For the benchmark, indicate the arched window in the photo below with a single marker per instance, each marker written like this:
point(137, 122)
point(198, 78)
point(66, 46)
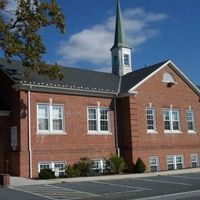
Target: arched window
point(168, 78)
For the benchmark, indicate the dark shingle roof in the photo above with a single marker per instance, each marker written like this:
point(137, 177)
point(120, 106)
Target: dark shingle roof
point(80, 79)
point(132, 79)
point(74, 78)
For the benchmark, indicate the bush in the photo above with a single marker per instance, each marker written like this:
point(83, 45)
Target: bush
point(140, 166)
point(46, 174)
point(117, 164)
point(84, 166)
point(71, 171)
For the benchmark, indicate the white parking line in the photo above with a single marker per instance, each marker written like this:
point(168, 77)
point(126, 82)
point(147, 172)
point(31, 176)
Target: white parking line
point(170, 182)
point(119, 185)
point(167, 196)
point(186, 177)
point(35, 194)
point(78, 191)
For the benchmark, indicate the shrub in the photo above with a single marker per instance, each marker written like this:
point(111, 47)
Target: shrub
point(140, 166)
point(71, 171)
point(84, 166)
point(117, 164)
point(46, 174)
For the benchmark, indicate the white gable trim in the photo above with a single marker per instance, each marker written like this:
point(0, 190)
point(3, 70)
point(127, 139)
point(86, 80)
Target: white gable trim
point(132, 90)
point(4, 113)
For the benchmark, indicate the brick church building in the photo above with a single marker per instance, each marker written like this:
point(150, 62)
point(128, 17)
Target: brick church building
point(152, 113)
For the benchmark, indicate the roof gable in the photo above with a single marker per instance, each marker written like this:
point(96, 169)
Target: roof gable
point(131, 80)
point(174, 67)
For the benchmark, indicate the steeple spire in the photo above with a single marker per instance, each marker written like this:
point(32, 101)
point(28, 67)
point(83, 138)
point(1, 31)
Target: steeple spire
point(120, 36)
point(121, 51)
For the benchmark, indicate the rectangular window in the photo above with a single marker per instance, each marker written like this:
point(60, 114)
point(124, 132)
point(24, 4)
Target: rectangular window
point(154, 164)
point(126, 59)
point(98, 119)
point(50, 118)
point(150, 115)
point(190, 121)
point(60, 166)
point(171, 120)
point(175, 162)
point(99, 165)
point(44, 166)
point(194, 160)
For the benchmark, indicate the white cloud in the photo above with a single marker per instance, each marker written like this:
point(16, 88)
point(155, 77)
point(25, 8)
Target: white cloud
point(92, 45)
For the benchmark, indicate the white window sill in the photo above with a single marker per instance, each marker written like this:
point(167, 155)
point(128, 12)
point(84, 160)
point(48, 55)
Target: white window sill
point(192, 132)
point(99, 133)
point(173, 132)
point(51, 133)
point(151, 132)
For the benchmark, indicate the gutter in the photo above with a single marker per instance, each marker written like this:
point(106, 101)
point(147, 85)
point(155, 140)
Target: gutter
point(29, 135)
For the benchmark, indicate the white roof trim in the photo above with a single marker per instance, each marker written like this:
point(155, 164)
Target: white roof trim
point(132, 90)
point(4, 113)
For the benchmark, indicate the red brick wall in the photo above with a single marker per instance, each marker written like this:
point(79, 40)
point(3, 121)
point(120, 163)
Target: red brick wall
point(180, 96)
point(73, 145)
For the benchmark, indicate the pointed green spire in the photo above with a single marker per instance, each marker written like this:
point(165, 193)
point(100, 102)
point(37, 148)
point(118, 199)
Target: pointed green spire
point(120, 37)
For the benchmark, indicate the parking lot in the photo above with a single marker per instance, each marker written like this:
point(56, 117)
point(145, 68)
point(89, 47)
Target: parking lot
point(184, 186)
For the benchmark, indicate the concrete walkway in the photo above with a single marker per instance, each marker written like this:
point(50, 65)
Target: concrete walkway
point(19, 181)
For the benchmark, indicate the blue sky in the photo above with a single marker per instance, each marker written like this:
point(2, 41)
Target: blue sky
point(157, 30)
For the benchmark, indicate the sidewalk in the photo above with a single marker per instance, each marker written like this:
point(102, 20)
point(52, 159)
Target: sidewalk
point(19, 181)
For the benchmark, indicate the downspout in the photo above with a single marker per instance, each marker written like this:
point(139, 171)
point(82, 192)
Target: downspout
point(29, 134)
point(116, 128)
point(116, 120)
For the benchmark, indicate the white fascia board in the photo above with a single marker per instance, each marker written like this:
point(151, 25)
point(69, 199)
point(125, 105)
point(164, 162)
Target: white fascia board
point(185, 77)
point(173, 66)
point(4, 113)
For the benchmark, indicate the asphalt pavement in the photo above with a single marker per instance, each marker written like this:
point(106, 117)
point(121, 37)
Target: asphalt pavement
point(174, 186)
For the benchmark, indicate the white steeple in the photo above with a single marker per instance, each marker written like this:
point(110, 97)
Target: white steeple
point(121, 51)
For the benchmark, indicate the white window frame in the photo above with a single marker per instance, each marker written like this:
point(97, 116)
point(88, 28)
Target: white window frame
point(44, 163)
point(52, 165)
point(101, 164)
point(50, 119)
point(194, 155)
point(154, 165)
point(154, 120)
point(175, 162)
point(191, 121)
point(98, 120)
point(171, 120)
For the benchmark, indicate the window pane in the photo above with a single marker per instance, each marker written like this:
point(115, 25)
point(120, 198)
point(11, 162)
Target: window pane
point(167, 125)
point(170, 166)
point(57, 112)
point(126, 59)
point(104, 125)
point(175, 125)
point(43, 111)
point(92, 113)
point(43, 124)
point(153, 169)
point(92, 125)
point(57, 125)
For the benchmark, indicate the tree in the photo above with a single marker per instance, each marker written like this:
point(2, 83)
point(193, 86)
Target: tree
point(140, 166)
point(19, 33)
